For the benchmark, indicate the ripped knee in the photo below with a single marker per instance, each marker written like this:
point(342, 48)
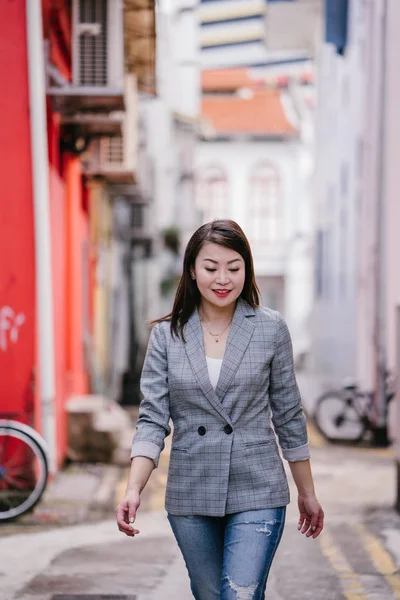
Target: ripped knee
point(243, 592)
point(265, 527)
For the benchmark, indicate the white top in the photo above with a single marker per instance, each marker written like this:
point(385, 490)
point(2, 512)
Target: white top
point(214, 369)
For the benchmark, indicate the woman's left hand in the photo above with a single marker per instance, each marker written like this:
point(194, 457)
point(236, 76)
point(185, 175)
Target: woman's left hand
point(311, 521)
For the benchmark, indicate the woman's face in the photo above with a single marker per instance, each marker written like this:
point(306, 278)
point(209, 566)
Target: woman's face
point(220, 274)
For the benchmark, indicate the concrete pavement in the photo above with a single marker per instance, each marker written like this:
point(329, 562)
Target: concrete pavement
point(356, 557)
point(71, 549)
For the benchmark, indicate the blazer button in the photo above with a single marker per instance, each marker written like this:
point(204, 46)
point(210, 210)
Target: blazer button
point(228, 429)
point(201, 430)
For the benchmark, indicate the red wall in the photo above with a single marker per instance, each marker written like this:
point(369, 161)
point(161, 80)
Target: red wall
point(77, 296)
point(69, 232)
point(17, 265)
point(58, 256)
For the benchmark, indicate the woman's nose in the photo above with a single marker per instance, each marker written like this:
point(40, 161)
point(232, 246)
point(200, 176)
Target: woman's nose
point(222, 277)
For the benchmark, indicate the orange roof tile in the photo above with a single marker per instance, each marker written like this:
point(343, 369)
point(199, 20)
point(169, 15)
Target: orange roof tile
point(261, 114)
point(228, 80)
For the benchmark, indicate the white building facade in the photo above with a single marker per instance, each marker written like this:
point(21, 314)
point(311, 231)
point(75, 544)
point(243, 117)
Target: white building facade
point(168, 126)
point(338, 191)
point(358, 132)
point(262, 180)
point(257, 33)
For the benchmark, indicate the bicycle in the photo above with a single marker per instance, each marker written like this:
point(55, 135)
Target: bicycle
point(23, 468)
point(347, 414)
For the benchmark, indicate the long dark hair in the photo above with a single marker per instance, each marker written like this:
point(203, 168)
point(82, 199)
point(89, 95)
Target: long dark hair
point(225, 233)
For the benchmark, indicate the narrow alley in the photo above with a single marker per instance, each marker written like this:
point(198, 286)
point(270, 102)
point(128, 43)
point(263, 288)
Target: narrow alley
point(233, 166)
point(356, 558)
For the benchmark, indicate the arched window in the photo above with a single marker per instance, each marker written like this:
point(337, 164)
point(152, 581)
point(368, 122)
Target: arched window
point(265, 210)
point(212, 193)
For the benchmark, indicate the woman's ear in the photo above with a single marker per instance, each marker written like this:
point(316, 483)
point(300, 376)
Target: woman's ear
point(192, 274)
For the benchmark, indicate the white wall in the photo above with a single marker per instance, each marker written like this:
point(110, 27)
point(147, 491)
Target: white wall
point(293, 259)
point(392, 186)
point(358, 124)
point(369, 291)
point(392, 176)
point(340, 147)
point(169, 122)
point(178, 81)
point(293, 24)
point(178, 99)
point(120, 308)
point(186, 88)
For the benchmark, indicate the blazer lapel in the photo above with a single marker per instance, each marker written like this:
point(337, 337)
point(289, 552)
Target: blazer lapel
point(194, 347)
point(239, 337)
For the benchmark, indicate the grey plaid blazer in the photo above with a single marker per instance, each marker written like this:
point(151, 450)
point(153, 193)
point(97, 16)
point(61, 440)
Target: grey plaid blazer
point(224, 455)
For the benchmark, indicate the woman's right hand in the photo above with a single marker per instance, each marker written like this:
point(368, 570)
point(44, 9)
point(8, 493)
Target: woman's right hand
point(126, 512)
point(311, 521)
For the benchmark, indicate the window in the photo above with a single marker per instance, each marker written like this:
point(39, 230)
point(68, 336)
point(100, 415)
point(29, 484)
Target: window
point(360, 148)
point(343, 258)
point(344, 179)
point(265, 210)
point(212, 193)
point(345, 91)
point(138, 216)
point(319, 263)
point(322, 264)
point(114, 148)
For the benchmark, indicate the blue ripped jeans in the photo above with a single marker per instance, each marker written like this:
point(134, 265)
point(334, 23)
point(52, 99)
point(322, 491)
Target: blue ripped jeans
point(229, 558)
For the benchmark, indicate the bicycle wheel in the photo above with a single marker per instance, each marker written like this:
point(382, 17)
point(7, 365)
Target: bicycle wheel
point(337, 418)
point(23, 472)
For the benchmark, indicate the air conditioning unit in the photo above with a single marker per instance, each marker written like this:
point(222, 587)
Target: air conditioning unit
point(115, 157)
point(116, 164)
point(97, 59)
point(98, 34)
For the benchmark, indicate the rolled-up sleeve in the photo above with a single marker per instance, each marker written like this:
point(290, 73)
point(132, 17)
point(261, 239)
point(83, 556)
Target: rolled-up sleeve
point(287, 413)
point(152, 425)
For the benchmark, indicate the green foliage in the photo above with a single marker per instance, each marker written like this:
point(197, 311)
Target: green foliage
point(172, 239)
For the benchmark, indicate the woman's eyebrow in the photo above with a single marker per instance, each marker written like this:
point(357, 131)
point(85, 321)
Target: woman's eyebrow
point(216, 262)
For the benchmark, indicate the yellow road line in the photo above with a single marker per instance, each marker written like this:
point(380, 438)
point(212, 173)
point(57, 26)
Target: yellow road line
point(314, 437)
point(157, 498)
point(381, 558)
point(158, 482)
point(349, 579)
point(156, 485)
point(381, 452)
point(121, 487)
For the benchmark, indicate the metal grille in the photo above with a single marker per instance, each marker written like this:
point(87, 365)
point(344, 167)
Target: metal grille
point(92, 30)
point(114, 150)
point(138, 216)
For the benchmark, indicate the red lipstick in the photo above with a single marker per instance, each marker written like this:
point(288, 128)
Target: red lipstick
point(222, 293)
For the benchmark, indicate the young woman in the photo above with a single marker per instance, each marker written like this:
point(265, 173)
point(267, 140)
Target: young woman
point(221, 367)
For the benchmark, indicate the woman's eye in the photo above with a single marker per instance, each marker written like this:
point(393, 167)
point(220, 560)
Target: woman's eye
point(234, 270)
point(211, 270)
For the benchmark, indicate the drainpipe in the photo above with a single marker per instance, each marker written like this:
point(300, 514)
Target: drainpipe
point(41, 202)
point(397, 413)
point(381, 429)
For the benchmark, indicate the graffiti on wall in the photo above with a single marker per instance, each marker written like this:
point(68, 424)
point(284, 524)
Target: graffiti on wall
point(10, 324)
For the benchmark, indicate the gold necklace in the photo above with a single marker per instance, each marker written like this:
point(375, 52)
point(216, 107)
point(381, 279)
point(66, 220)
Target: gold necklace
point(216, 335)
